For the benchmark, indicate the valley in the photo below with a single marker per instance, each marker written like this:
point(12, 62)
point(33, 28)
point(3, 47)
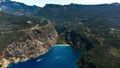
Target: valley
point(28, 31)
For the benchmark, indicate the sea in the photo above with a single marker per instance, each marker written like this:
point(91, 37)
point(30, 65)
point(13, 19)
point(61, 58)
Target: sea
point(59, 56)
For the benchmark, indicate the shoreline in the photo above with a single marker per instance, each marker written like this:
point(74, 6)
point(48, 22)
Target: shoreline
point(37, 59)
point(42, 53)
point(61, 45)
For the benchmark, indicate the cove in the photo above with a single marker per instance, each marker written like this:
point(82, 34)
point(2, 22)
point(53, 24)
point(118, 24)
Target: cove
point(58, 56)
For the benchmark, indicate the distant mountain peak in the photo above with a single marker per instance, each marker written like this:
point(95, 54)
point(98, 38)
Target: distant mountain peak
point(4, 0)
point(115, 3)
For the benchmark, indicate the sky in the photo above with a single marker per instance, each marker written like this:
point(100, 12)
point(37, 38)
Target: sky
point(42, 3)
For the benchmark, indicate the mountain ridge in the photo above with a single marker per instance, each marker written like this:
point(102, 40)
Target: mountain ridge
point(17, 8)
point(94, 29)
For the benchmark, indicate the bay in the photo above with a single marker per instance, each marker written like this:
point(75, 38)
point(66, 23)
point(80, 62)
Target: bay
point(58, 56)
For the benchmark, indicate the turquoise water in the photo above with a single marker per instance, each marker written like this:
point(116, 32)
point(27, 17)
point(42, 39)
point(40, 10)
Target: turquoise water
point(56, 57)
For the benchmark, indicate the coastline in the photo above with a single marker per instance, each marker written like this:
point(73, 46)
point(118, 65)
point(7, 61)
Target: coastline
point(56, 54)
point(62, 45)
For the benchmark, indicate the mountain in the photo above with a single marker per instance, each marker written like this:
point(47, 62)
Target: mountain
point(17, 8)
point(4, 0)
point(94, 29)
point(23, 38)
point(76, 12)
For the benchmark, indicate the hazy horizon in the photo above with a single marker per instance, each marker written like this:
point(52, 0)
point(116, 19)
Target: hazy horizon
point(42, 3)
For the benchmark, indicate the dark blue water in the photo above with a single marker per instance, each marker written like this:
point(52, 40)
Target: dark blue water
point(56, 57)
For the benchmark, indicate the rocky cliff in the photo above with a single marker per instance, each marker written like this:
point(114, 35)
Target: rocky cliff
point(35, 42)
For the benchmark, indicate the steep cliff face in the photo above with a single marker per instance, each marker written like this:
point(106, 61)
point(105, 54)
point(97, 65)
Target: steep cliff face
point(35, 42)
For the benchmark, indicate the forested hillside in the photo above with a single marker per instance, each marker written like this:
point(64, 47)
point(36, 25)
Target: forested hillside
point(95, 29)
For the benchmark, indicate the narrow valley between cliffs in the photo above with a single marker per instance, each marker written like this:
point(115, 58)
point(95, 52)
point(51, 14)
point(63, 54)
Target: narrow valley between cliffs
point(59, 35)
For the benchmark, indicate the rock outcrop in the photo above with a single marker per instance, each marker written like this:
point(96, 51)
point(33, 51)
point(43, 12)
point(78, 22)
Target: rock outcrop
point(36, 42)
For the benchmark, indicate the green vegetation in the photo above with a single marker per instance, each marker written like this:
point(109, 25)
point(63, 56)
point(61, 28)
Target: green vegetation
point(12, 28)
point(94, 29)
point(60, 40)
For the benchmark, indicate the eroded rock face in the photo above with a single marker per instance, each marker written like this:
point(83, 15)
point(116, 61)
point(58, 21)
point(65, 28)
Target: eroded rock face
point(37, 41)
